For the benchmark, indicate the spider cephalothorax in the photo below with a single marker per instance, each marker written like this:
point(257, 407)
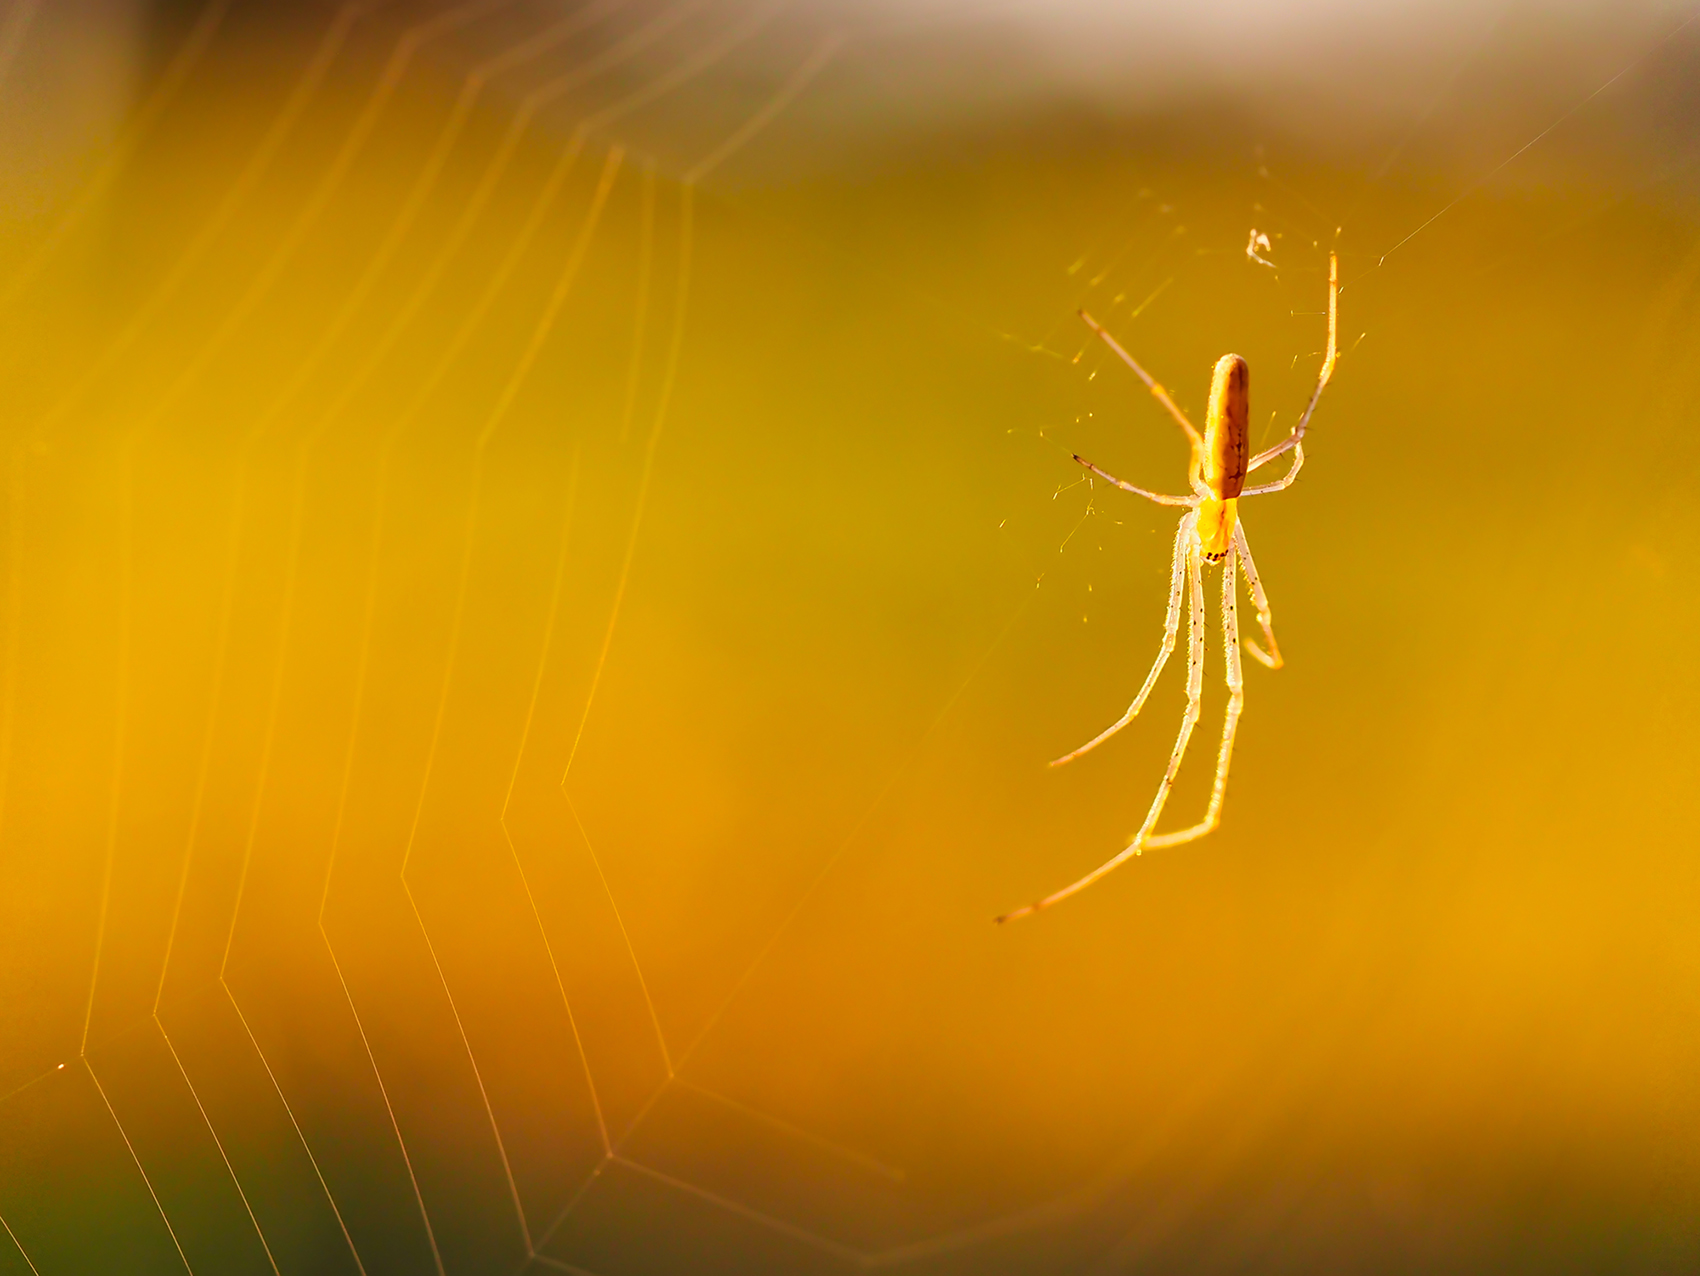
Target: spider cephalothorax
point(1209, 532)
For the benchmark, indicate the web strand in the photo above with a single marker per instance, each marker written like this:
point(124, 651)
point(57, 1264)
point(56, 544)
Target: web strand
point(120, 731)
point(1539, 137)
point(19, 1246)
point(278, 652)
point(705, 58)
point(14, 611)
point(223, 1155)
point(545, 325)
point(137, 1161)
point(513, 779)
point(406, 48)
point(235, 197)
point(646, 264)
point(625, 938)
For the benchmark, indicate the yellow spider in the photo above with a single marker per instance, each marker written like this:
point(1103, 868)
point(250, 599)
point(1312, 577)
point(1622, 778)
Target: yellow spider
point(1209, 532)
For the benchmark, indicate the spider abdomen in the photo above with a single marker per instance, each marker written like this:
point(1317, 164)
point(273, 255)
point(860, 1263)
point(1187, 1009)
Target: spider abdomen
point(1226, 432)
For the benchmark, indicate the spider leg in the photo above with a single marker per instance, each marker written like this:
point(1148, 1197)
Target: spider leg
point(1286, 480)
point(1294, 439)
point(1159, 497)
point(1265, 620)
point(1236, 701)
point(1171, 626)
point(1161, 395)
point(1194, 693)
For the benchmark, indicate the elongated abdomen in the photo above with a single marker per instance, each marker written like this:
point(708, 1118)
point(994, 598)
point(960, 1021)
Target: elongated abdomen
point(1226, 428)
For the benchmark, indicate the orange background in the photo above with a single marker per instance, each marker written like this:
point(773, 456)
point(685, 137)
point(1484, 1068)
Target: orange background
point(520, 703)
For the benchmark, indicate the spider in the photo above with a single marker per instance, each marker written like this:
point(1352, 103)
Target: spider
point(1210, 532)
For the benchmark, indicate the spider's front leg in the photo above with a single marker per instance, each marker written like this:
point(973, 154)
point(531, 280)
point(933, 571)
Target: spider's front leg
point(1195, 440)
point(1159, 497)
point(1294, 442)
point(1285, 481)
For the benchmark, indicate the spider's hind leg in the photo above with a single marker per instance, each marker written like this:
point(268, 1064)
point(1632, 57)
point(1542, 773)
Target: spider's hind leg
point(1230, 724)
point(1194, 695)
point(1260, 600)
point(1171, 626)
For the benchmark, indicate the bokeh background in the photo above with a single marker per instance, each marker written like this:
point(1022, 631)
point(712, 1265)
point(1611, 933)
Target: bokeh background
point(542, 569)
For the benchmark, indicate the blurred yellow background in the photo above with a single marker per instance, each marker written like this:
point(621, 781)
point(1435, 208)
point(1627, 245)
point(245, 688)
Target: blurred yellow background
point(542, 570)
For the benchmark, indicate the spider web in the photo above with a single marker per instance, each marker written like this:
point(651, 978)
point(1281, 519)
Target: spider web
point(431, 843)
